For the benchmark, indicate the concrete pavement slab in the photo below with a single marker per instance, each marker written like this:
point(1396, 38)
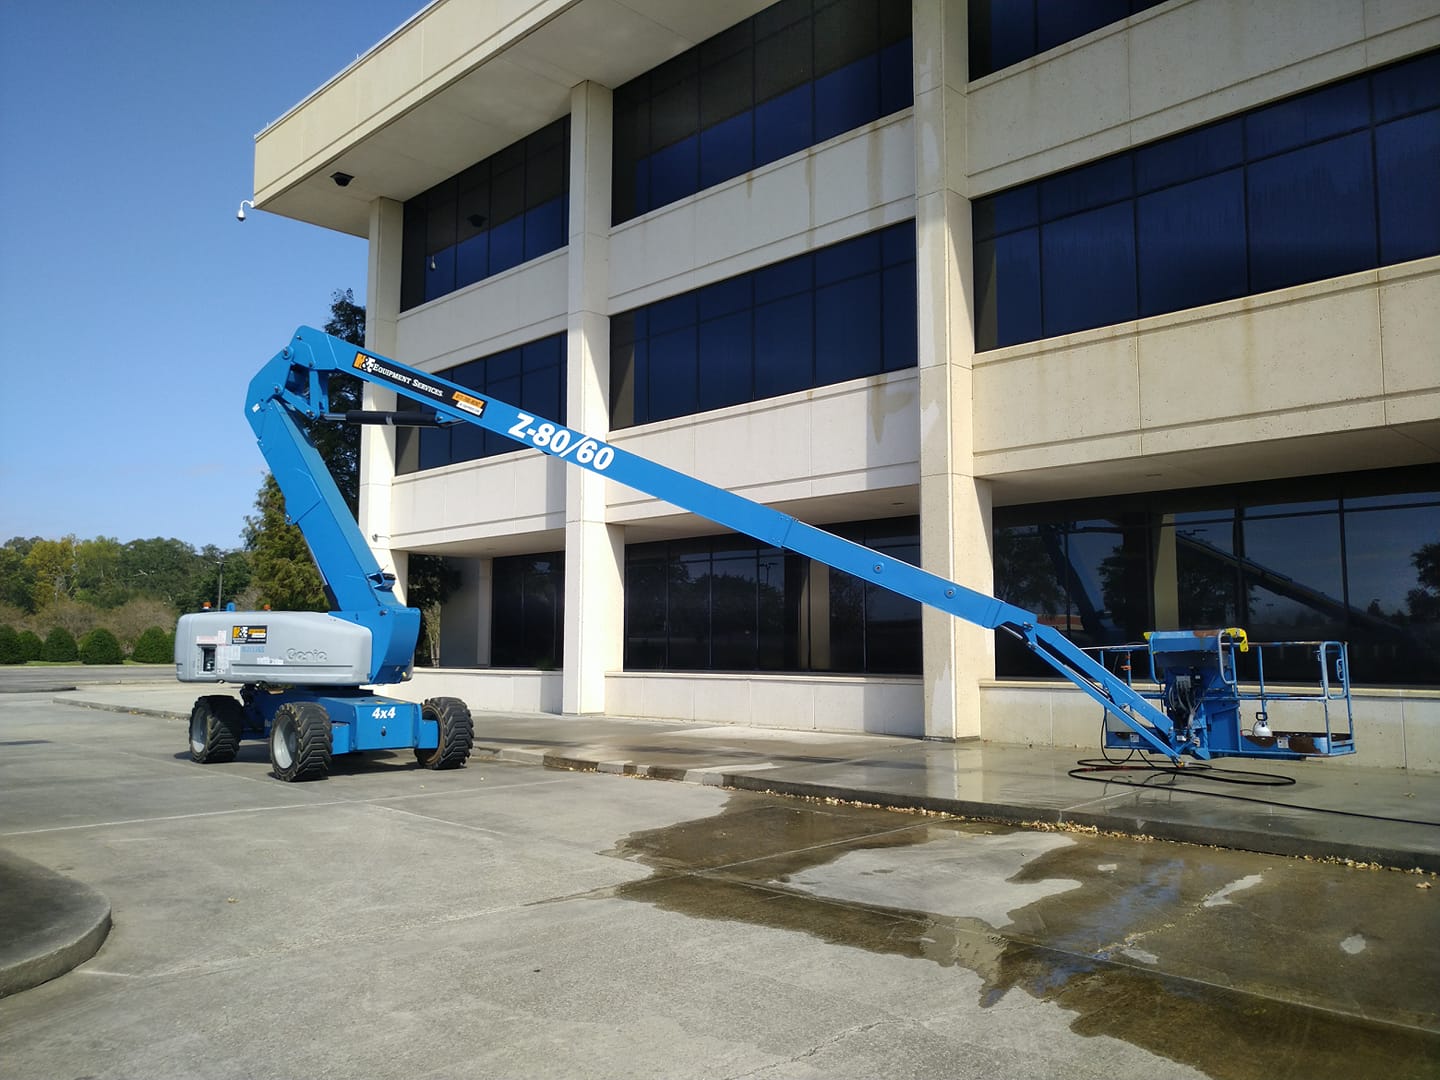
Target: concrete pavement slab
point(1390, 816)
point(49, 923)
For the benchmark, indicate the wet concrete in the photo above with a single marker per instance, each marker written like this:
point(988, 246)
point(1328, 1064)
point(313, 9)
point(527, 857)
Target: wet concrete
point(1242, 966)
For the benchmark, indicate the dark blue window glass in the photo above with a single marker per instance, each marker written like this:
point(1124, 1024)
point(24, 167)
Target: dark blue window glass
point(545, 228)
point(531, 377)
point(1004, 32)
point(725, 297)
point(440, 273)
point(434, 447)
point(1059, 21)
point(1189, 156)
point(848, 341)
point(1407, 88)
point(507, 245)
point(1018, 208)
point(794, 74)
point(1192, 244)
point(782, 125)
point(847, 98)
point(840, 261)
point(672, 374)
point(899, 319)
point(897, 79)
point(472, 260)
point(1298, 191)
point(1312, 213)
point(843, 312)
point(1308, 118)
point(1407, 156)
point(672, 314)
point(500, 212)
point(1007, 290)
point(673, 171)
point(784, 346)
point(725, 362)
point(725, 149)
point(1089, 262)
point(784, 279)
point(1087, 187)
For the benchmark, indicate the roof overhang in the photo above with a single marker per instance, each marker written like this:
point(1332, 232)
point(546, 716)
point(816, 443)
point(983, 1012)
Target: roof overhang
point(457, 82)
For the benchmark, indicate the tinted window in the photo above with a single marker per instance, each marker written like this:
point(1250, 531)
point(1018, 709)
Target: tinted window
point(1299, 191)
point(787, 78)
point(844, 312)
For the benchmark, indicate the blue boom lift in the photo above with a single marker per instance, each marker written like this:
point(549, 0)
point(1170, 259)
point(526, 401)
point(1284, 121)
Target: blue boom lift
point(304, 675)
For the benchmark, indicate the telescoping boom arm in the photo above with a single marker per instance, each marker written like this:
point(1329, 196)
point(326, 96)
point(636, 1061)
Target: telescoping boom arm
point(296, 381)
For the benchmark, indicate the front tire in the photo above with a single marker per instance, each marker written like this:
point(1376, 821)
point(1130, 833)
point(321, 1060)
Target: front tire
point(300, 742)
point(457, 733)
point(216, 723)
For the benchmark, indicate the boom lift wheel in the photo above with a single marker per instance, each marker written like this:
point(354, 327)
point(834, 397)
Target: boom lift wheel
point(300, 741)
point(457, 733)
point(216, 723)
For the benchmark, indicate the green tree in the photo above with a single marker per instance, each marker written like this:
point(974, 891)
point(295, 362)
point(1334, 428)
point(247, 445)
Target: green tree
point(159, 568)
point(220, 576)
point(52, 564)
point(12, 651)
point(431, 580)
point(285, 573)
point(31, 645)
point(97, 573)
point(1424, 602)
point(154, 646)
point(100, 646)
point(17, 579)
point(60, 647)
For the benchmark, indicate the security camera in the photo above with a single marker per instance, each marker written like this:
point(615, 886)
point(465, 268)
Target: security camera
point(240, 214)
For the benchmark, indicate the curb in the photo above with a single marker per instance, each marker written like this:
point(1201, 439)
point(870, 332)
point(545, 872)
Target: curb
point(133, 710)
point(54, 924)
point(1208, 835)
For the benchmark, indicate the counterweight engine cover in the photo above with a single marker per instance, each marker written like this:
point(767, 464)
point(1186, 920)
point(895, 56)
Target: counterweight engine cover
point(292, 648)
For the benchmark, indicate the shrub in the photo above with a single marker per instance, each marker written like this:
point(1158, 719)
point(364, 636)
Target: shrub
point(33, 647)
point(153, 647)
point(60, 647)
point(11, 650)
point(100, 646)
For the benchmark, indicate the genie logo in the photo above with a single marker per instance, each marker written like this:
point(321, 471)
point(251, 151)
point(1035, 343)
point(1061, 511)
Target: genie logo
point(306, 656)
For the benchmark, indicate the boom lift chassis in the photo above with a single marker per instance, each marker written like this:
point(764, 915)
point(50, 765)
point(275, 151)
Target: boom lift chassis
point(303, 674)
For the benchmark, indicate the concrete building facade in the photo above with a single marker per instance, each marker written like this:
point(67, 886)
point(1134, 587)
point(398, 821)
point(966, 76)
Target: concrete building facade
point(1129, 314)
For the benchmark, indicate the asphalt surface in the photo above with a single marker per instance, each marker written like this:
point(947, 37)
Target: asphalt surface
point(514, 920)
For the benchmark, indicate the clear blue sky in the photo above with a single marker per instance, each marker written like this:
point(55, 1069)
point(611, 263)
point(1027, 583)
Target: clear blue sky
point(133, 307)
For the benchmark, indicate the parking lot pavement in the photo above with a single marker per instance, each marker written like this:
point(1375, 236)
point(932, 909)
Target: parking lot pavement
point(510, 920)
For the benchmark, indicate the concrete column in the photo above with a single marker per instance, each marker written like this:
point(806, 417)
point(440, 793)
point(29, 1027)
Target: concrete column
point(954, 506)
point(377, 444)
point(594, 550)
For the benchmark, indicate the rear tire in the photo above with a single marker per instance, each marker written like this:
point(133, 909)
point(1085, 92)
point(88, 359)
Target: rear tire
point(457, 733)
point(216, 723)
point(300, 742)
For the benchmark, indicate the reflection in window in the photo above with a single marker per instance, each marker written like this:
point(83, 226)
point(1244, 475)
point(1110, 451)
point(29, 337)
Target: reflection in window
point(728, 603)
point(512, 207)
point(529, 376)
point(527, 620)
point(772, 85)
point(840, 313)
point(1223, 211)
point(1353, 557)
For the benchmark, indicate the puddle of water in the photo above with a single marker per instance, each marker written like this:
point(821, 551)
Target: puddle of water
point(1053, 918)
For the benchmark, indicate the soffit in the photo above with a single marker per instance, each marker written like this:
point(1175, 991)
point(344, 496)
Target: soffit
point(459, 81)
